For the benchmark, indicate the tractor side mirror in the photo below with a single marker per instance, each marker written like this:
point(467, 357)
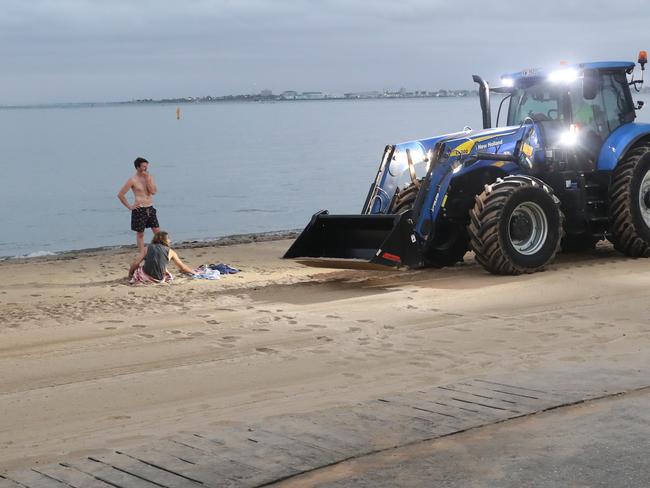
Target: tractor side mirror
point(590, 84)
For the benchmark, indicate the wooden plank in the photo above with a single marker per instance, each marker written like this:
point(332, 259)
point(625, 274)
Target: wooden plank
point(175, 465)
point(7, 483)
point(222, 467)
point(273, 463)
point(29, 478)
point(306, 456)
point(70, 476)
point(147, 472)
point(110, 475)
point(468, 415)
point(314, 430)
point(525, 401)
point(381, 427)
point(421, 423)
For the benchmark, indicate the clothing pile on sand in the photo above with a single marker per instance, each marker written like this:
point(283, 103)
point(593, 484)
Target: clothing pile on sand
point(213, 271)
point(205, 272)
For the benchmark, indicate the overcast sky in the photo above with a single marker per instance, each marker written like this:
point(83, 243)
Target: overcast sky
point(105, 50)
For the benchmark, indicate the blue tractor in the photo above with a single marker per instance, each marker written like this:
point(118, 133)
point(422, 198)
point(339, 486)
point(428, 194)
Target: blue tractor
point(569, 168)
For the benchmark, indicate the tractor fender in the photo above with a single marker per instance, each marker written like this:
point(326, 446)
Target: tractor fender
point(618, 142)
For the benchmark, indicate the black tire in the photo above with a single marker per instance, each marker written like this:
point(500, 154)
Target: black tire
point(504, 215)
point(405, 198)
point(452, 240)
point(578, 243)
point(629, 204)
point(450, 245)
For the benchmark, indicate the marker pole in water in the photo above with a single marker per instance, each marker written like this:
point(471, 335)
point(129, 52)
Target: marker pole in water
point(178, 113)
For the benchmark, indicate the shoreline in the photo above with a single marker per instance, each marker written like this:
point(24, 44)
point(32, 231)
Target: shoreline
point(229, 240)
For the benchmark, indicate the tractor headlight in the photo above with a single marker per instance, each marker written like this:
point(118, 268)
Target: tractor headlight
point(570, 137)
point(566, 75)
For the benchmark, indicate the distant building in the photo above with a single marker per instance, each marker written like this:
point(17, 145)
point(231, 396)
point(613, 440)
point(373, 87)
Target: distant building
point(289, 95)
point(312, 95)
point(266, 93)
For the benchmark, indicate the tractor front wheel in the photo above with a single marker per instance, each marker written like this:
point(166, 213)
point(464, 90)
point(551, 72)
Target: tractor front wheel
point(629, 207)
point(516, 226)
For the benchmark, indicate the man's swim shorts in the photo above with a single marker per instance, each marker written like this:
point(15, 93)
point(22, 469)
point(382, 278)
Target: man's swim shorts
point(143, 217)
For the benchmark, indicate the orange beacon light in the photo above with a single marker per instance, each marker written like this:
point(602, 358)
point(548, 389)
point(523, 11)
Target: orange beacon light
point(643, 59)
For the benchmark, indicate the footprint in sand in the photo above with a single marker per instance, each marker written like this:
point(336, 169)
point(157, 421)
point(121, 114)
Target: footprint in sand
point(204, 316)
point(293, 322)
point(354, 329)
point(324, 338)
point(196, 334)
point(212, 322)
point(265, 349)
point(230, 338)
point(110, 321)
point(175, 331)
point(138, 326)
point(317, 326)
point(261, 330)
point(365, 321)
point(277, 318)
point(147, 336)
point(110, 328)
point(302, 330)
point(389, 327)
point(333, 316)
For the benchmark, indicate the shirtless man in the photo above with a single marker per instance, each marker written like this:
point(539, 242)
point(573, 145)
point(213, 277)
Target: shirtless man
point(143, 214)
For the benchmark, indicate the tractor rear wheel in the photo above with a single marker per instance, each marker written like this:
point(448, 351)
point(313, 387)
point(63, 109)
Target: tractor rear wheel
point(451, 242)
point(629, 204)
point(516, 226)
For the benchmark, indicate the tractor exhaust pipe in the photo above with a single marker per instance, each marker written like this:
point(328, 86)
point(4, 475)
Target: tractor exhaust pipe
point(484, 96)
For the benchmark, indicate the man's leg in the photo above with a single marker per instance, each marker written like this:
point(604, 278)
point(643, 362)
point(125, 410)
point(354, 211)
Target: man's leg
point(139, 238)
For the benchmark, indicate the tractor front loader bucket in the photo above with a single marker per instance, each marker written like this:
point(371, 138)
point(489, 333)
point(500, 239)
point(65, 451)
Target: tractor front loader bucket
point(357, 241)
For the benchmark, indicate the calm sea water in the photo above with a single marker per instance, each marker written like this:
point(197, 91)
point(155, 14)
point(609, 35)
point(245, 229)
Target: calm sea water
point(222, 169)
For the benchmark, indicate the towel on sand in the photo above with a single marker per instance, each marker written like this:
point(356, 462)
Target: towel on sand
point(213, 271)
point(203, 272)
point(142, 278)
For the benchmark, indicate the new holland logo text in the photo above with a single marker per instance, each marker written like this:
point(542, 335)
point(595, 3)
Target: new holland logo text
point(488, 145)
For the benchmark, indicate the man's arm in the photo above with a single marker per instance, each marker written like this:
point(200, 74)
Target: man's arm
point(177, 261)
point(151, 185)
point(122, 194)
point(136, 262)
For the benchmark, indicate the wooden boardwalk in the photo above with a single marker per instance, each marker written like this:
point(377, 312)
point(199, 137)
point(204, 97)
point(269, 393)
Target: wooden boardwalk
point(283, 446)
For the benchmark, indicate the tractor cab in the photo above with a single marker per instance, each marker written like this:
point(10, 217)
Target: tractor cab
point(577, 106)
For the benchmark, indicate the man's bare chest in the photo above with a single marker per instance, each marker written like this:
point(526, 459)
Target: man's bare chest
point(138, 185)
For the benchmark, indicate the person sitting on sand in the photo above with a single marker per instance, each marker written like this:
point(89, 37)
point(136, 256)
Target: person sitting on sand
point(156, 257)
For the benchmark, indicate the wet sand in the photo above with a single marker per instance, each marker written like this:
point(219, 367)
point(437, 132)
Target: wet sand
point(89, 362)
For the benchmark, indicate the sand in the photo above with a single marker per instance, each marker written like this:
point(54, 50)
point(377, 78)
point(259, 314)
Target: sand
point(88, 362)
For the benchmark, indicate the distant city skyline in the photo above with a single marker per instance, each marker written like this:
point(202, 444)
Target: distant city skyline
point(87, 50)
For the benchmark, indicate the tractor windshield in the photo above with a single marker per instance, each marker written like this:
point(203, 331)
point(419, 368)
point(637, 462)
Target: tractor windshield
point(540, 102)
